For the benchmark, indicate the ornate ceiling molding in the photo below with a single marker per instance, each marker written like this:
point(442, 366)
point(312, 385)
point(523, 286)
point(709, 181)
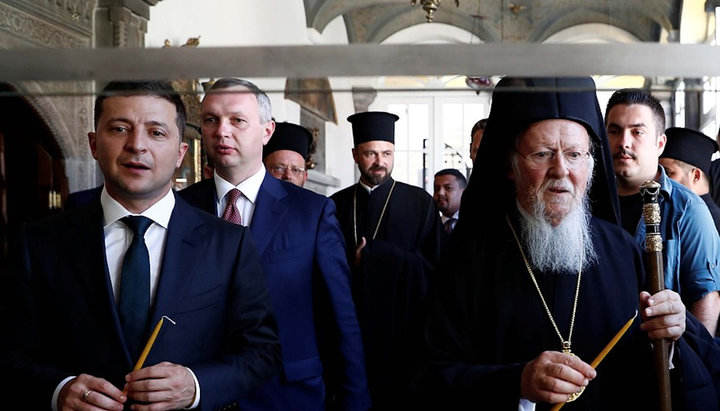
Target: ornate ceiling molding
point(38, 31)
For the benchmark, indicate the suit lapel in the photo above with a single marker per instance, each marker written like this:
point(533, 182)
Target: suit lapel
point(186, 233)
point(88, 249)
point(269, 212)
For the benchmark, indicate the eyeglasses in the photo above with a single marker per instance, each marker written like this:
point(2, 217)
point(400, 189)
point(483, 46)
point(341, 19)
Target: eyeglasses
point(545, 158)
point(280, 169)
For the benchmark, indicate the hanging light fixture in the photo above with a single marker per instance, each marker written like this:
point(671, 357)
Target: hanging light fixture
point(430, 7)
point(479, 83)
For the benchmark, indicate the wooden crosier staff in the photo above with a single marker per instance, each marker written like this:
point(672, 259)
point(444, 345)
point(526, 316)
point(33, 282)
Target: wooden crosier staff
point(656, 282)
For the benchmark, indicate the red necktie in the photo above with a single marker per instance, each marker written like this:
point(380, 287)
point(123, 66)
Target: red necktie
point(232, 214)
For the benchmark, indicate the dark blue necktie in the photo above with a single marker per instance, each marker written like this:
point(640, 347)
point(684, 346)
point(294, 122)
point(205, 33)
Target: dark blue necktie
point(135, 286)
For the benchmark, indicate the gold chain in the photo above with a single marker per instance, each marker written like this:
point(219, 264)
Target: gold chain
point(565, 343)
point(382, 213)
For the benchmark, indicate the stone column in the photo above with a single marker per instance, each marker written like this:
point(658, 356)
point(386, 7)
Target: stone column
point(122, 23)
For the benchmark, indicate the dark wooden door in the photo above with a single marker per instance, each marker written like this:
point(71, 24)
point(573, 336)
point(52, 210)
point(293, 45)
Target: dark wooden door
point(32, 175)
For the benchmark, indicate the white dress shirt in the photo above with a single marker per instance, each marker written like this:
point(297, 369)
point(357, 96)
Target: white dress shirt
point(118, 237)
point(249, 189)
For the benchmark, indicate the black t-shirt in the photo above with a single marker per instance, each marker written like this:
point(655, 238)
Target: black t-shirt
point(714, 176)
point(630, 212)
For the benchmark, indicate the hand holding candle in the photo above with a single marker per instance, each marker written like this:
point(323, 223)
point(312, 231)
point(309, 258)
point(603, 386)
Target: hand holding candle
point(605, 351)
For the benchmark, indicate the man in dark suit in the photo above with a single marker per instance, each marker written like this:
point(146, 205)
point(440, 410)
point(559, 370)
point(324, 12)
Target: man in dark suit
point(76, 332)
point(301, 249)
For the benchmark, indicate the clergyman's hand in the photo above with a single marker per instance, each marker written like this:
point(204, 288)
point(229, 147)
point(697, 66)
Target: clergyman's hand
point(86, 392)
point(358, 252)
point(553, 376)
point(164, 386)
point(663, 315)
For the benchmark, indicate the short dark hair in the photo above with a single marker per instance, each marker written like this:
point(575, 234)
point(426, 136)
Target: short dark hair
point(265, 108)
point(462, 181)
point(157, 88)
point(628, 96)
point(480, 125)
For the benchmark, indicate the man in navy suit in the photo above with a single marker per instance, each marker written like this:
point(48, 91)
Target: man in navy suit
point(70, 346)
point(301, 249)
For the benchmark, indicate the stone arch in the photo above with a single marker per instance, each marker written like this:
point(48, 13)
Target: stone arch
point(592, 32)
point(66, 110)
point(639, 25)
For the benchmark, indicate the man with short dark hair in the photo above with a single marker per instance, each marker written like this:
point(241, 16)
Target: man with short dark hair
point(285, 155)
point(90, 285)
point(447, 192)
point(635, 123)
point(686, 159)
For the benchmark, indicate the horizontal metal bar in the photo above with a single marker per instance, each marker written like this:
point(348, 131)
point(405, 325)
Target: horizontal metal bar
point(647, 59)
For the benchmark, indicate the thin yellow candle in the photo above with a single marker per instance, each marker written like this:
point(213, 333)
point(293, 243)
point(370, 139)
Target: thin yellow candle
point(605, 351)
point(148, 346)
point(612, 342)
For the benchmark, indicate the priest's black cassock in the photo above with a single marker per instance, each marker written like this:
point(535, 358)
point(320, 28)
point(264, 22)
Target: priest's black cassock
point(390, 285)
point(487, 320)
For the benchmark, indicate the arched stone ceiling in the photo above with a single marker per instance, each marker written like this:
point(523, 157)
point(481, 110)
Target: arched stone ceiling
point(372, 21)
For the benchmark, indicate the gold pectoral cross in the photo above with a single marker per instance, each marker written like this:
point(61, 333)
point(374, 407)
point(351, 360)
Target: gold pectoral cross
point(566, 347)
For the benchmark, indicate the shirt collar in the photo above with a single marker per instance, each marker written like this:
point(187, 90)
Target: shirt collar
point(455, 216)
point(249, 187)
point(371, 189)
point(159, 212)
point(664, 181)
point(366, 187)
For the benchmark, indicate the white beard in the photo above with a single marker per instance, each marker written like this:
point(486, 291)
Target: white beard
point(566, 247)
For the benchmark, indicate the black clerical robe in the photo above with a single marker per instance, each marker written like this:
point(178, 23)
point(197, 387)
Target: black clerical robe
point(404, 236)
point(714, 176)
point(714, 209)
point(487, 322)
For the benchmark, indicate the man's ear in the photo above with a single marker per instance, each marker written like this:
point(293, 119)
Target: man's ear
point(661, 141)
point(695, 174)
point(510, 174)
point(269, 130)
point(355, 156)
point(509, 167)
point(182, 150)
point(92, 143)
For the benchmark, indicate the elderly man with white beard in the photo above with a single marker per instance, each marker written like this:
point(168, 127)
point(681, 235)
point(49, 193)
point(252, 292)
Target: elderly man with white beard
point(542, 277)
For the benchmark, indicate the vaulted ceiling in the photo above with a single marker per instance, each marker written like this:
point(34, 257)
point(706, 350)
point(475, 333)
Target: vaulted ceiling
point(372, 21)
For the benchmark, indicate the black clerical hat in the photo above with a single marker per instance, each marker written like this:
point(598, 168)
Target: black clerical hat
point(373, 125)
point(689, 146)
point(517, 103)
point(289, 136)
